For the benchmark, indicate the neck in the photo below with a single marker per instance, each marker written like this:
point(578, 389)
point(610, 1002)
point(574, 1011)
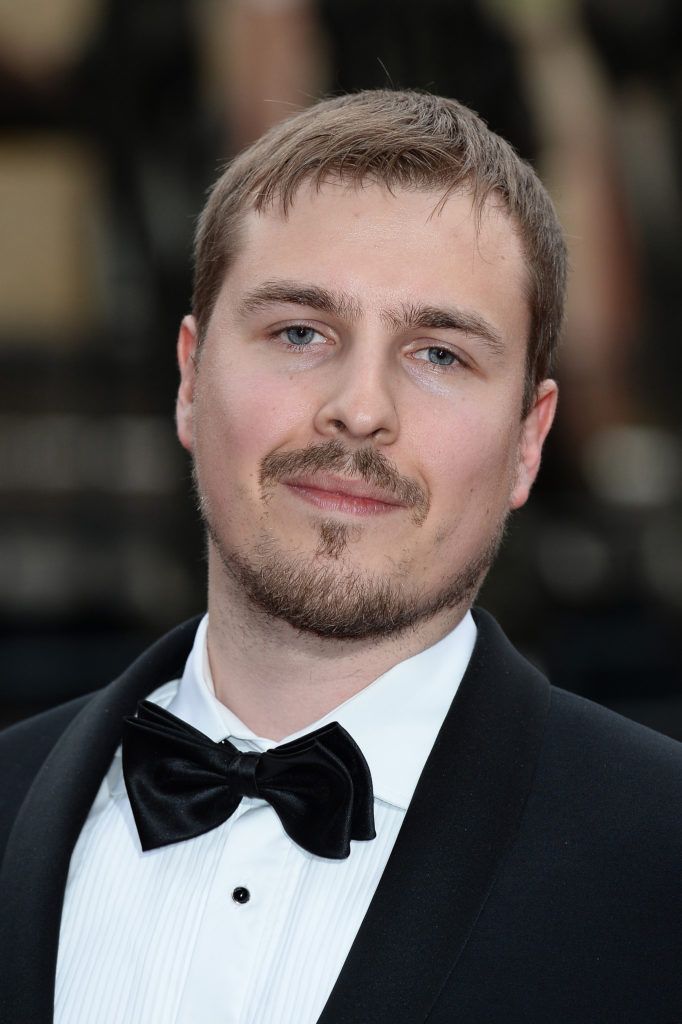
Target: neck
point(278, 680)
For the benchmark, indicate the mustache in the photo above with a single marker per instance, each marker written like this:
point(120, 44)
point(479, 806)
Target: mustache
point(367, 463)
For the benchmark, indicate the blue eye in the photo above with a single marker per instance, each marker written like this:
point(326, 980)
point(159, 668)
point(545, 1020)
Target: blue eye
point(437, 356)
point(299, 335)
point(441, 356)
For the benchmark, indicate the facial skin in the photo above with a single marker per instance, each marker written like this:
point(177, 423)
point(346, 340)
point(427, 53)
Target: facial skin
point(378, 338)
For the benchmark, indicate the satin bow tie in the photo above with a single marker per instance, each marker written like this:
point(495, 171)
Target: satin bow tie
point(181, 784)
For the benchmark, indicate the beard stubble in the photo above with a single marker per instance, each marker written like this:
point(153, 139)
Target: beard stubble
point(317, 593)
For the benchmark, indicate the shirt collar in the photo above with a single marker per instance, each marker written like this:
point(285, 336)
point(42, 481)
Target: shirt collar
point(394, 720)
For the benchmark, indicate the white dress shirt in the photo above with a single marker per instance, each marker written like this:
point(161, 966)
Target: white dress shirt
point(159, 938)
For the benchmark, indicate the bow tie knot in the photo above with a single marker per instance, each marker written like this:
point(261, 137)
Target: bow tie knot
point(181, 784)
point(241, 772)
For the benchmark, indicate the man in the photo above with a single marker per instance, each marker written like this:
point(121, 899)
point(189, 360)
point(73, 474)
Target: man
point(364, 391)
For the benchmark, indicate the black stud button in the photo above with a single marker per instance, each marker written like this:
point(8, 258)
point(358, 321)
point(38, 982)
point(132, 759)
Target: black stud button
point(241, 895)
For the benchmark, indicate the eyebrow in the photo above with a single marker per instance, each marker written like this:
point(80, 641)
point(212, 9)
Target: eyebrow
point(271, 293)
point(413, 316)
point(409, 316)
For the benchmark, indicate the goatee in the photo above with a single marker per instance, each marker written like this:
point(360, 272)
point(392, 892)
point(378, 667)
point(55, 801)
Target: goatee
point(320, 593)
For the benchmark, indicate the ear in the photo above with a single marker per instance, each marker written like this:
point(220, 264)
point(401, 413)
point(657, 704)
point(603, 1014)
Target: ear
point(187, 362)
point(534, 430)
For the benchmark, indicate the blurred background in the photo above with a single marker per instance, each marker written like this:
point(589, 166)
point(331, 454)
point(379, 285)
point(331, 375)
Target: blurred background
point(115, 116)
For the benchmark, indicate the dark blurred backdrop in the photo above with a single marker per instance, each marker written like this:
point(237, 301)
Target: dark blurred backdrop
point(114, 118)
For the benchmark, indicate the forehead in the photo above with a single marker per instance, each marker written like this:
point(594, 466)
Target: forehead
point(383, 245)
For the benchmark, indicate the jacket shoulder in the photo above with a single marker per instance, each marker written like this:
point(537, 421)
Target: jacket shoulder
point(612, 782)
point(611, 746)
point(23, 749)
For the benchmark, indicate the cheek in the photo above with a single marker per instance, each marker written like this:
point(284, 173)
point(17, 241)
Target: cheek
point(247, 416)
point(469, 468)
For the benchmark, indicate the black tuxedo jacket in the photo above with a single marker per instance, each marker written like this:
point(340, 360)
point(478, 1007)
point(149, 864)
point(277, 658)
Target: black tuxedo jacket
point(536, 878)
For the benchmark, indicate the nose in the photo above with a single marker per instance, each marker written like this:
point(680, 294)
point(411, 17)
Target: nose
point(359, 401)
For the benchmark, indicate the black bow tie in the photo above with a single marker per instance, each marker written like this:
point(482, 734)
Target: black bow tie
point(182, 784)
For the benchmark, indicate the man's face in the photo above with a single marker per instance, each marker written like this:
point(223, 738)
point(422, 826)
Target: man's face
point(355, 413)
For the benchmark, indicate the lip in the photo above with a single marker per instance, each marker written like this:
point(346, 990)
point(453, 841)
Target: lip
point(340, 494)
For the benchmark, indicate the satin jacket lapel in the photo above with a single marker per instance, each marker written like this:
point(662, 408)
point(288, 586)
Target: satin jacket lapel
point(464, 815)
point(38, 853)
